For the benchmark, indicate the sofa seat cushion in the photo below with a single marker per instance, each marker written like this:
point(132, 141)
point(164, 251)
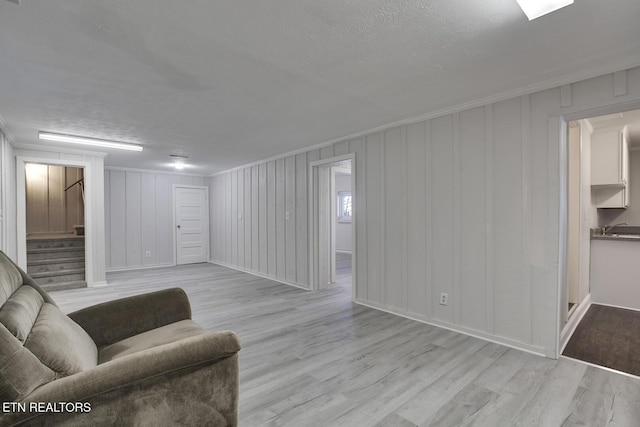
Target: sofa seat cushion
point(60, 343)
point(153, 338)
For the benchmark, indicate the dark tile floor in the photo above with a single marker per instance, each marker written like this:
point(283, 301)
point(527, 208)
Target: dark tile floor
point(608, 336)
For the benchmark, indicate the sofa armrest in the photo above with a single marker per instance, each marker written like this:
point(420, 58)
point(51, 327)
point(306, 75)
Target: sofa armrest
point(126, 377)
point(116, 320)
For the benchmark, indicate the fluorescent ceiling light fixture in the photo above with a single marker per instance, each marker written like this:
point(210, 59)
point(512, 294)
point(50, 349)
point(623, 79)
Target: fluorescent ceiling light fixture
point(179, 166)
point(536, 8)
point(88, 141)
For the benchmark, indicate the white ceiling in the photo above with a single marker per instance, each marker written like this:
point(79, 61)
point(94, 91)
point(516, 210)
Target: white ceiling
point(235, 81)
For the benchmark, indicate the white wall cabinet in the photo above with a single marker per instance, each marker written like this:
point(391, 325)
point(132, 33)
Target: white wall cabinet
point(610, 167)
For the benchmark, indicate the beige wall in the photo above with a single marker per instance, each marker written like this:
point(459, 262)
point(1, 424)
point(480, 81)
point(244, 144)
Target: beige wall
point(49, 208)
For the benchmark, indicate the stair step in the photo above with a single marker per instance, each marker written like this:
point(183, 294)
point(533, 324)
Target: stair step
point(64, 285)
point(42, 254)
point(66, 242)
point(51, 265)
point(46, 280)
point(68, 272)
point(56, 261)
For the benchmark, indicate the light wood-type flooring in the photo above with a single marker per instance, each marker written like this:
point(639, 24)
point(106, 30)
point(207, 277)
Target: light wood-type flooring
point(317, 359)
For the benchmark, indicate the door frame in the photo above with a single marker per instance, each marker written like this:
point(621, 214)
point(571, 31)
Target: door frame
point(175, 226)
point(558, 125)
point(313, 232)
point(21, 219)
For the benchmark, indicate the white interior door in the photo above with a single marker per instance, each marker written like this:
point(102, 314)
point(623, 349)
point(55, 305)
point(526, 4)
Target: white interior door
point(192, 224)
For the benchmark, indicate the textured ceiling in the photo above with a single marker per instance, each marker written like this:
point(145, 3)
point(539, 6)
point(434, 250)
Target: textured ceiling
point(231, 82)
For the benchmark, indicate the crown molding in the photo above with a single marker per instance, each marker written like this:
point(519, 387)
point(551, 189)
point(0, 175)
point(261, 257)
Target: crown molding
point(571, 78)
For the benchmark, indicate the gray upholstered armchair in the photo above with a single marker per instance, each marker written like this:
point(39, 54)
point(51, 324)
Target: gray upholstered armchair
point(135, 361)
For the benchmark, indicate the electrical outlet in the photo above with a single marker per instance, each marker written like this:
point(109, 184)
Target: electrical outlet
point(148, 254)
point(287, 215)
point(444, 298)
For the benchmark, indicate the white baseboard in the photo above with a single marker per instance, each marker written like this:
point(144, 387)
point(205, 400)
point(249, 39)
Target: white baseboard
point(538, 351)
point(139, 267)
point(573, 322)
point(259, 274)
point(616, 306)
point(100, 284)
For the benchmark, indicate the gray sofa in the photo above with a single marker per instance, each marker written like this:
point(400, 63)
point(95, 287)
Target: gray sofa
point(138, 361)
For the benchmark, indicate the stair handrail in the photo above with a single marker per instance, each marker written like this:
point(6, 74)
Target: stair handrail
point(75, 183)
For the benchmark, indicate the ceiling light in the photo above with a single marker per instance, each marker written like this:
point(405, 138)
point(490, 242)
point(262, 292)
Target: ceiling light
point(88, 141)
point(536, 8)
point(179, 166)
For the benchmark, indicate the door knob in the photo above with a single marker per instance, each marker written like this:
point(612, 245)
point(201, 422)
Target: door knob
point(178, 225)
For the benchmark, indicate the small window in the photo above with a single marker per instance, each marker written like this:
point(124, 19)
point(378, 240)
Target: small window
point(344, 206)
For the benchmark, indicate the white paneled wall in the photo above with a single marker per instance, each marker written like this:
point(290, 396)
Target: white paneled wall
point(139, 217)
point(467, 204)
point(8, 239)
point(259, 218)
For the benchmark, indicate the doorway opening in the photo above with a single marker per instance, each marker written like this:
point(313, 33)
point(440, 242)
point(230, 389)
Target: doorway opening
point(600, 293)
point(55, 225)
point(333, 216)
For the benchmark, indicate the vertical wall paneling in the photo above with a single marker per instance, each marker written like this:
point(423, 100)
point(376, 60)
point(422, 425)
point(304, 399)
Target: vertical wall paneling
point(239, 215)
point(405, 219)
point(507, 168)
point(263, 216)
point(373, 208)
point(107, 209)
point(139, 217)
point(442, 213)
point(359, 190)
point(74, 204)
point(556, 221)
point(290, 218)
point(488, 213)
point(133, 213)
point(471, 294)
point(280, 219)
point(37, 198)
point(326, 152)
point(428, 219)
point(234, 218)
point(391, 167)
point(248, 220)
point(272, 248)
point(164, 220)
point(148, 214)
point(57, 223)
point(455, 297)
point(117, 217)
point(341, 148)
point(468, 204)
point(49, 208)
point(256, 211)
point(525, 115)
point(301, 217)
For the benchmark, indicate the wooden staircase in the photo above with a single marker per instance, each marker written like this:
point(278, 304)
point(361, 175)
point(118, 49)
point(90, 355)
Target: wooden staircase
point(56, 262)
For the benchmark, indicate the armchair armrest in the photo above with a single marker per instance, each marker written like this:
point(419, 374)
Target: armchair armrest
point(114, 386)
point(116, 320)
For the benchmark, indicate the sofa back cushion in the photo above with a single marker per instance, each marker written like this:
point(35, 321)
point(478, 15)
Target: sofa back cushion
point(10, 278)
point(60, 343)
point(20, 370)
point(38, 343)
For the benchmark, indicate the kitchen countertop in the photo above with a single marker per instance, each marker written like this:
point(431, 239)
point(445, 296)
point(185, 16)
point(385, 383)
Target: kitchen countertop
point(630, 233)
